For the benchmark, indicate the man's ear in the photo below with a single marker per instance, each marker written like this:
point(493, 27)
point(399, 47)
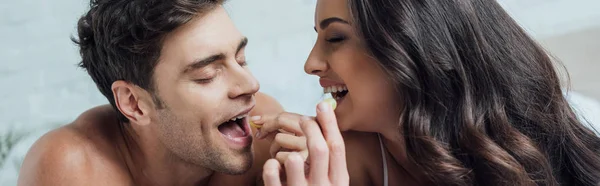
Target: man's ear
point(133, 102)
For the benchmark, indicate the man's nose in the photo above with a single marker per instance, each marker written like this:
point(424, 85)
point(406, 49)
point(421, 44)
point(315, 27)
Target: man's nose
point(244, 83)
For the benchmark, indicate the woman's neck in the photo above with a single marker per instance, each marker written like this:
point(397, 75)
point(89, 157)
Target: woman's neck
point(395, 145)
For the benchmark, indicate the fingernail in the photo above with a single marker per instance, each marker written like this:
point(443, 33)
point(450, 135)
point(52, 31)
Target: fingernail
point(323, 107)
point(255, 118)
point(258, 134)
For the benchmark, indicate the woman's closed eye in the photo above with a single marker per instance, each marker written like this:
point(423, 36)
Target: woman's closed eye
point(335, 39)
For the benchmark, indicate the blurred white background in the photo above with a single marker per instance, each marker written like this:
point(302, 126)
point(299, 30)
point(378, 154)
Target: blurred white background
point(41, 86)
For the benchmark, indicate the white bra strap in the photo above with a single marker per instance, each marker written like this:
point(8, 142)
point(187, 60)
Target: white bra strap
point(383, 156)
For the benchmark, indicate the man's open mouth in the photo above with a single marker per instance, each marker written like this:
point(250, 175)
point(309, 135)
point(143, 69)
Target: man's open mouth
point(235, 127)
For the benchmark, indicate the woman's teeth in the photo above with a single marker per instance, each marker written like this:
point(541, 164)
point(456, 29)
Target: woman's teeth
point(334, 89)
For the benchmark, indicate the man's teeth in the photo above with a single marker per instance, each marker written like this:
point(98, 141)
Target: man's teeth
point(239, 117)
point(332, 89)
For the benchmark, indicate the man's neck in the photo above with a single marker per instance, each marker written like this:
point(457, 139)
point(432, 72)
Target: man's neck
point(150, 163)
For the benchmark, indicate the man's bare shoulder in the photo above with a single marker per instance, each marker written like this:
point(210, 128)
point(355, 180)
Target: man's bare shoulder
point(75, 154)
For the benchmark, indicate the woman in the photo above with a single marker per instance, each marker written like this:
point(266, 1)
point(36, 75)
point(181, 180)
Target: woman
point(457, 91)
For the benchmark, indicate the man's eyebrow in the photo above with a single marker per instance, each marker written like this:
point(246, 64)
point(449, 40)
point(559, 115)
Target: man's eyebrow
point(197, 64)
point(203, 62)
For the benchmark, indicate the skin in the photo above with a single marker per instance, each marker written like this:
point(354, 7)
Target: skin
point(340, 57)
point(328, 156)
point(172, 138)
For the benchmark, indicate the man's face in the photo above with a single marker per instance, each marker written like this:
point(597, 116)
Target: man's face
point(203, 83)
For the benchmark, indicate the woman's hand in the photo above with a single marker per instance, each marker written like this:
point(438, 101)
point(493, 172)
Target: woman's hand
point(327, 155)
point(285, 134)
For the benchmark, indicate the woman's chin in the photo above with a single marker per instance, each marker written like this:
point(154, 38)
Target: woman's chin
point(341, 122)
point(345, 124)
point(344, 129)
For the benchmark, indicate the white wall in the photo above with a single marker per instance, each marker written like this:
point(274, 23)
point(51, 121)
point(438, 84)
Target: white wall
point(40, 83)
point(281, 36)
point(547, 18)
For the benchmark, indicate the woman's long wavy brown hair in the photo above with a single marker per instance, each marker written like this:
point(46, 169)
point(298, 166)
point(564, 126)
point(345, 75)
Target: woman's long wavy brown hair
point(483, 104)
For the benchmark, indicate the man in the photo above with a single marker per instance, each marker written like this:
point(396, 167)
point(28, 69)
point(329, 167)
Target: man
point(175, 74)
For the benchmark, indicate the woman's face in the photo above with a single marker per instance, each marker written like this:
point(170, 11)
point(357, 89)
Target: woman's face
point(366, 98)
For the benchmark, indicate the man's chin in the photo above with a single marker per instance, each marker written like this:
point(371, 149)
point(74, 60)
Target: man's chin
point(233, 159)
point(238, 164)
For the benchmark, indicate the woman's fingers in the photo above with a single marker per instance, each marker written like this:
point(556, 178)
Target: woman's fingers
point(289, 122)
point(289, 141)
point(271, 171)
point(318, 152)
point(294, 168)
point(338, 171)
